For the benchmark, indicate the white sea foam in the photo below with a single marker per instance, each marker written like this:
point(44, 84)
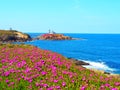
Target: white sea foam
point(99, 66)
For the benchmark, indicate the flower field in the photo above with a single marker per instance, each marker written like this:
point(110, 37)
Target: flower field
point(25, 67)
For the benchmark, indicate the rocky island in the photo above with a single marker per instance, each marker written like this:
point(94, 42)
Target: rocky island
point(13, 36)
point(54, 36)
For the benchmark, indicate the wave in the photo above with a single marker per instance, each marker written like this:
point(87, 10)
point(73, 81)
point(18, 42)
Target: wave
point(99, 66)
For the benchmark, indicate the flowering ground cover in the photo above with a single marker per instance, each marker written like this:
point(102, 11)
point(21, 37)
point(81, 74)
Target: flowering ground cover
point(25, 67)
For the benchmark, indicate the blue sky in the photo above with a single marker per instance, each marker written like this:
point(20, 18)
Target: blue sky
point(62, 16)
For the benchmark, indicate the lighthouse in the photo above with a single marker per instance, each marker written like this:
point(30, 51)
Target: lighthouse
point(51, 32)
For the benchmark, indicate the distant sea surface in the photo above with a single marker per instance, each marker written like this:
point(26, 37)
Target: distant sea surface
point(102, 51)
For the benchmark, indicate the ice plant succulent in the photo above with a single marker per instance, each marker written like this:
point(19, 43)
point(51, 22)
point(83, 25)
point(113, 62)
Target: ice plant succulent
point(25, 67)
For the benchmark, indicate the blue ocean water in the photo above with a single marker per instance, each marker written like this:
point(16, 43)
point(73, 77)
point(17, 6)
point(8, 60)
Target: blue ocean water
point(102, 51)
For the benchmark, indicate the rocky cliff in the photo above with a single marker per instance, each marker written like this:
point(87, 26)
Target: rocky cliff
point(13, 36)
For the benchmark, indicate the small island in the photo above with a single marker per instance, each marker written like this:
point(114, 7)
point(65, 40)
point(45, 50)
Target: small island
point(13, 36)
point(51, 35)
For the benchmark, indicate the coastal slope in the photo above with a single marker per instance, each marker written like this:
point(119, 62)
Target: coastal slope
point(26, 67)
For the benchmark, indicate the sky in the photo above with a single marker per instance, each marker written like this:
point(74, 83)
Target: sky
point(61, 16)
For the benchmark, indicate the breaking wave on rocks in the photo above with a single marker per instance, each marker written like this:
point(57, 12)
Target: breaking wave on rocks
point(98, 66)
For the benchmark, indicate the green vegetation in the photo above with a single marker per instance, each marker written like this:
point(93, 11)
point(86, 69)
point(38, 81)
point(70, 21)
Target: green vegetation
point(7, 32)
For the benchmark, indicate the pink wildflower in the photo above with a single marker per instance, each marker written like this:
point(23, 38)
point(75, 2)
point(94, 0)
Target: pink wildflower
point(55, 81)
point(18, 79)
point(59, 63)
point(63, 84)
point(12, 83)
point(30, 80)
point(21, 64)
point(50, 88)
point(72, 81)
point(65, 72)
point(37, 84)
point(53, 67)
point(7, 81)
point(40, 89)
point(102, 86)
point(107, 85)
point(114, 89)
point(7, 73)
point(45, 85)
point(83, 78)
point(3, 60)
point(43, 62)
point(43, 73)
point(117, 84)
point(71, 75)
point(57, 87)
point(27, 70)
point(82, 88)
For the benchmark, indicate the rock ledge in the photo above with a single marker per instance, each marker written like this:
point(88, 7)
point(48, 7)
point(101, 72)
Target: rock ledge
point(13, 36)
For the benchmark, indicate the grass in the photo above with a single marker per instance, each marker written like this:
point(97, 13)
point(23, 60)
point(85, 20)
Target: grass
point(25, 67)
point(7, 32)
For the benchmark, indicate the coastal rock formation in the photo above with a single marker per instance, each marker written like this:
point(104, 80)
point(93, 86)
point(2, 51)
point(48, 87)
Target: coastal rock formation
point(13, 36)
point(54, 37)
point(78, 62)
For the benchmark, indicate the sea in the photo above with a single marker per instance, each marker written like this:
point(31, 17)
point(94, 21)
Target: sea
point(102, 51)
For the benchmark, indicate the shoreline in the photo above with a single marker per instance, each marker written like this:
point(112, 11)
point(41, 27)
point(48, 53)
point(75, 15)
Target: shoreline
point(83, 64)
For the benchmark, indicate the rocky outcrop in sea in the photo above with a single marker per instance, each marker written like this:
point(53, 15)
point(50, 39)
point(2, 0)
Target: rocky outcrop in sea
point(54, 37)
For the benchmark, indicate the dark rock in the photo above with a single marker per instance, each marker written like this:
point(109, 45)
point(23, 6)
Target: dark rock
point(77, 62)
point(81, 63)
point(107, 73)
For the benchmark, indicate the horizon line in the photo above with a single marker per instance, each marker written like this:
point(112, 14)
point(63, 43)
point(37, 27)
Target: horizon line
point(73, 33)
